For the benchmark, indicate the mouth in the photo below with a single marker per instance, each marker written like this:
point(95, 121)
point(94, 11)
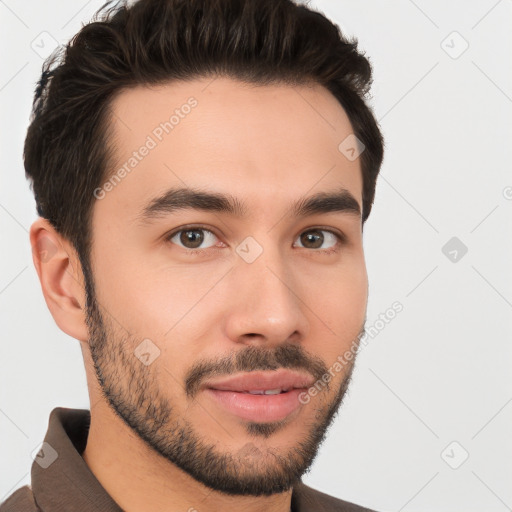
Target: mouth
point(260, 396)
point(258, 406)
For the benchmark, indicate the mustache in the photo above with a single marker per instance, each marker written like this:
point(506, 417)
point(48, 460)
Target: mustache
point(250, 358)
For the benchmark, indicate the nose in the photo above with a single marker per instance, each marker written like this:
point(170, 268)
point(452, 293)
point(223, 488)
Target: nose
point(268, 305)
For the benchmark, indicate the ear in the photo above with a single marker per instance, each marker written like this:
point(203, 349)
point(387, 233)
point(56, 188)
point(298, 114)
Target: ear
point(62, 281)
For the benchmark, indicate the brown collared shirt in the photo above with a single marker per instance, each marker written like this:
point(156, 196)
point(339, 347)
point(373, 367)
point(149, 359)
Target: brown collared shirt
point(62, 481)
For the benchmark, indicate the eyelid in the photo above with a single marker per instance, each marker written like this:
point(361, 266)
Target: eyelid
point(336, 232)
point(189, 227)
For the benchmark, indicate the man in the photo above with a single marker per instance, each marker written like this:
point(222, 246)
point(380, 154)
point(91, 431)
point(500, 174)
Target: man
point(202, 171)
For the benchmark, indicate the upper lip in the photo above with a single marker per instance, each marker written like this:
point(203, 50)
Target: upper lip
point(257, 381)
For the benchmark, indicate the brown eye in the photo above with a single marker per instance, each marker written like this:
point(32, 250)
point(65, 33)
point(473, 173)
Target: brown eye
point(315, 238)
point(192, 238)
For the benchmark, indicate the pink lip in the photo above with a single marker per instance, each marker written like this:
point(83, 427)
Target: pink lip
point(259, 408)
point(254, 381)
point(231, 394)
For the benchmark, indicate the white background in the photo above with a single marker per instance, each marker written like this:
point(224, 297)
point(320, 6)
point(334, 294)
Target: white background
point(440, 371)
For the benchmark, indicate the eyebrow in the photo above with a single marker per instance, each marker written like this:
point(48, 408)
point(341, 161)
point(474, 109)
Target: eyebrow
point(176, 199)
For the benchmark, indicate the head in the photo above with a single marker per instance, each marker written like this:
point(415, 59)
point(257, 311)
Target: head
point(203, 171)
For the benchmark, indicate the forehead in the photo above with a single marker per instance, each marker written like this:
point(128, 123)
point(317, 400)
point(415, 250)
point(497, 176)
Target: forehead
point(274, 141)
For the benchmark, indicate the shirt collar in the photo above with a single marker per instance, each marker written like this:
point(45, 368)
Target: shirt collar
point(61, 480)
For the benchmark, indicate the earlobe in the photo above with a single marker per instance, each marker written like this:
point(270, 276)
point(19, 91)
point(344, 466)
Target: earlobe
point(61, 278)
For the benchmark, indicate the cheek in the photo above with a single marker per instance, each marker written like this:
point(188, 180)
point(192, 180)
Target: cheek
point(151, 301)
point(339, 302)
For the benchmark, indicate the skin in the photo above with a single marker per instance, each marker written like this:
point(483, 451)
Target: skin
point(295, 306)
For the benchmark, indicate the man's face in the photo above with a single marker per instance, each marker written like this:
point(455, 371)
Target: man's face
point(264, 289)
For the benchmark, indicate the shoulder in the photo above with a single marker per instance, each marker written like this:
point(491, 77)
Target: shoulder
point(21, 500)
point(306, 499)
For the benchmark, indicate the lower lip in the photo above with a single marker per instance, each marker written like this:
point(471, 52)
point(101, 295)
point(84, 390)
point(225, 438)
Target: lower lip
point(258, 408)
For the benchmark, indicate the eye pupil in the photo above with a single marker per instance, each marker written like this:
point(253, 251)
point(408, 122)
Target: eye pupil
point(196, 239)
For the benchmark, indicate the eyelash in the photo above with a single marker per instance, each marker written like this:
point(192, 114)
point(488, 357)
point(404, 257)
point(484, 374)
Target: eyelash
point(199, 252)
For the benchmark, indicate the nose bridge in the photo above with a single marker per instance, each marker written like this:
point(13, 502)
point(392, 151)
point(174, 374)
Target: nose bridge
point(267, 300)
